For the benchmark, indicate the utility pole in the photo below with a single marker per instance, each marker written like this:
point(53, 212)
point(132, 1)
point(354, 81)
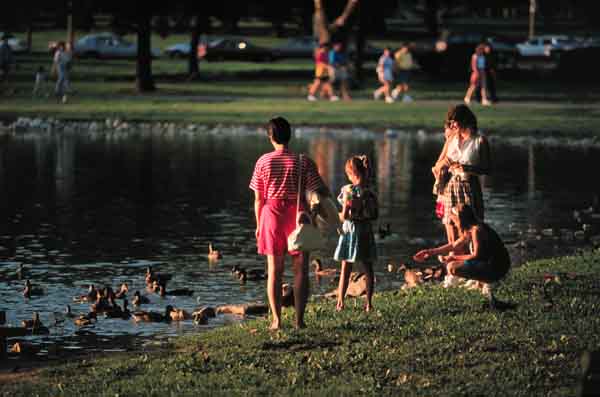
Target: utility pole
point(532, 7)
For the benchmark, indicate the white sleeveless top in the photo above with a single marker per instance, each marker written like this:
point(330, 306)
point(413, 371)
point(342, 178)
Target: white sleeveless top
point(468, 153)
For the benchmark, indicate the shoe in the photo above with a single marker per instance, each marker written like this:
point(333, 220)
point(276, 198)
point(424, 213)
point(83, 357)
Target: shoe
point(64, 99)
point(311, 98)
point(407, 98)
point(467, 100)
point(450, 281)
point(389, 99)
point(395, 93)
point(334, 98)
point(485, 102)
point(377, 95)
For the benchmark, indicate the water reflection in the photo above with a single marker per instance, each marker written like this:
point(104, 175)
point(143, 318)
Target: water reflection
point(81, 209)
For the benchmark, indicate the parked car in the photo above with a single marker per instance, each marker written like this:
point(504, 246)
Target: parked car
point(16, 45)
point(304, 47)
point(104, 45)
point(235, 49)
point(544, 46)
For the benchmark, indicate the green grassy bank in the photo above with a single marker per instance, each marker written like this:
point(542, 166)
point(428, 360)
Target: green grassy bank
point(251, 93)
point(425, 341)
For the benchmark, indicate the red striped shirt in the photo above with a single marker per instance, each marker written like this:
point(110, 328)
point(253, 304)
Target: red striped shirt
point(276, 175)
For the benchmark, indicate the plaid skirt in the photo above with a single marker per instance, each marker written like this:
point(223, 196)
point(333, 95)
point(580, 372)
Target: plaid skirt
point(460, 190)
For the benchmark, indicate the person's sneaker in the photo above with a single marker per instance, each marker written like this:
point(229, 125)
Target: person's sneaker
point(485, 102)
point(64, 99)
point(450, 281)
point(389, 99)
point(311, 98)
point(395, 93)
point(377, 95)
point(407, 98)
point(334, 98)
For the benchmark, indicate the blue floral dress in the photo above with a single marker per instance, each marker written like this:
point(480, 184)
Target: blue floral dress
point(357, 241)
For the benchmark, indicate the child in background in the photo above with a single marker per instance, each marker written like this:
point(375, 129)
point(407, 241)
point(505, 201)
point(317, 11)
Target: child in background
point(385, 75)
point(321, 74)
point(39, 87)
point(357, 241)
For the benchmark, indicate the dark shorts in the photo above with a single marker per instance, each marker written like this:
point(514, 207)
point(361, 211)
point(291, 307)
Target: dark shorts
point(484, 271)
point(403, 76)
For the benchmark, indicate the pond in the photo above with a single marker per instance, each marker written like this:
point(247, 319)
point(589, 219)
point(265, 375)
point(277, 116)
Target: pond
point(98, 208)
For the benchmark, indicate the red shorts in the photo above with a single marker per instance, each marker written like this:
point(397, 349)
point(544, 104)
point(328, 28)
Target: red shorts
point(277, 222)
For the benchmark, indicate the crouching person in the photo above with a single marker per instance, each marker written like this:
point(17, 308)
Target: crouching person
point(487, 260)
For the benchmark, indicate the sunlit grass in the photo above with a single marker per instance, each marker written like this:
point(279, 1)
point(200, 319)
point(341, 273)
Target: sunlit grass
point(425, 341)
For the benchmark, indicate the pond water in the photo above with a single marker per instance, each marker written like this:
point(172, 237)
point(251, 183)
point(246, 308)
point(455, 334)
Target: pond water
point(98, 208)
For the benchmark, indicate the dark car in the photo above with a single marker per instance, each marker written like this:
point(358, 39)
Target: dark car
point(235, 49)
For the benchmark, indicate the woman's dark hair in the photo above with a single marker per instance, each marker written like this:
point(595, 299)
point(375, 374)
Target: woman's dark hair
point(463, 116)
point(360, 166)
point(466, 216)
point(279, 129)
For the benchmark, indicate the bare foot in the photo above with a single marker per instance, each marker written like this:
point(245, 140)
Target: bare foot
point(300, 325)
point(339, 307)
point(368, 307)
point(274, 326)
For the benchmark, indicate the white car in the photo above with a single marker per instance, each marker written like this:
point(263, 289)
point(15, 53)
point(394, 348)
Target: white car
point(542, 46)
point(104, 45)
point(16, 45)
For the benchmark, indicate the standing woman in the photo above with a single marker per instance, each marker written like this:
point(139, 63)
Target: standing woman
point(62, 66)
point(467, 157)
point(275, 185)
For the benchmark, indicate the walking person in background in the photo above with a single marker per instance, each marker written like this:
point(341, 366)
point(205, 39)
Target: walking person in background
point(339, 71)
point(478, 76)
point(62, 67)
point(275, 186)
point(491, 65)
point(385, 75)
point(404, 65)
point(6, 58)
point(321, 80)
point(357, 242)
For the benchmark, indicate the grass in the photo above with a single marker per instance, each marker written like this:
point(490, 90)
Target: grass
point(424, 341)
point(251, 93)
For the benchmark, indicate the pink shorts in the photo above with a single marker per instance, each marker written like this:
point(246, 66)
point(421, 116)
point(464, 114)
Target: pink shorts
point(277, 221)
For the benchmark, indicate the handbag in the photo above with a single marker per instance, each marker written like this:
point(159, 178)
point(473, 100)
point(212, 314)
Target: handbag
point(305, 237)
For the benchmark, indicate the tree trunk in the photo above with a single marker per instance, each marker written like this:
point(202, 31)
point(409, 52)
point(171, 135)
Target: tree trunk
point(29, 34)
point(144, 80)
point(193, 69)
point(360, 45)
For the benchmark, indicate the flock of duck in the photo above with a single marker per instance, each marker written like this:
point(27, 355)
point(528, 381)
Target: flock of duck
point(104, 301)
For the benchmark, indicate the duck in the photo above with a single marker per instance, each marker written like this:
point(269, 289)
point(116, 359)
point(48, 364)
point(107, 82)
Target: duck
point(20, 272)
point(162, 291)
point(251, 275)
point(122, 293)
point(91, 296)
point(118, 312)
point(213, 255)
point(319, 271)
point(179, 315)
point(30, 290)
point(139, 299)
point(86, 319)
point(68, 313)
point(161, 278)
point(202, 315)
point(153, 316)
point(35, 325)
